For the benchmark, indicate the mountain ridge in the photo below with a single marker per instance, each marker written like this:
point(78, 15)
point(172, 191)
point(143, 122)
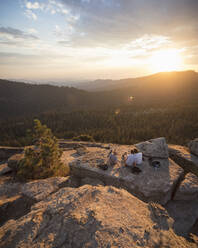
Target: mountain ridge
point(17, 98)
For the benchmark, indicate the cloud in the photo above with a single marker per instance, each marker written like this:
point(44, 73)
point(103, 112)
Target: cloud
point(115, 22)
point(35, 5)
point(32, 31)
point(30, 14)
point(12, 33)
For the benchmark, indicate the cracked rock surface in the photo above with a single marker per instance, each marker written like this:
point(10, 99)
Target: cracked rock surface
point(92, 217)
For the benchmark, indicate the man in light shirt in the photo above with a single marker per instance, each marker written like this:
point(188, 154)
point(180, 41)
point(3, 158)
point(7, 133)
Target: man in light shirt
point(135, 158)
point(130, 159)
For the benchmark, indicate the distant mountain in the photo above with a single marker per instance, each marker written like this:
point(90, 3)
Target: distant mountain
point(162, 88)
point(21, 98)
point(108, 84)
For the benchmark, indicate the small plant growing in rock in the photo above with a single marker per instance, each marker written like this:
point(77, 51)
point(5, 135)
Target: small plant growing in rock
point(42, 160)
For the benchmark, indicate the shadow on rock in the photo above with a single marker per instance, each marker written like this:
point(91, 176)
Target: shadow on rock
point(14, 208)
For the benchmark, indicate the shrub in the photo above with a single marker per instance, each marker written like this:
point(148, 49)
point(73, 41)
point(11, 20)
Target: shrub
point(84, 137)
point(42, 160)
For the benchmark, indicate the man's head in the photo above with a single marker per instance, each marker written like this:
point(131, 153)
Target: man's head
point(135, 150)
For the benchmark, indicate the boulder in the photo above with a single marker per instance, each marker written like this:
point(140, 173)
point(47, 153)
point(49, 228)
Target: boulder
point(154, 148)
point(150, 185)
point(92, 217)
point(4, 169)
point(40, 189)
point(188, 189)
point(182, 156)
point(13, 161)
point(193, 146)
point(91, 181)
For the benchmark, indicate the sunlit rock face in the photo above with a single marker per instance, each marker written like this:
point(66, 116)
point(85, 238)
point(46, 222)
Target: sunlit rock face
point(92, 217)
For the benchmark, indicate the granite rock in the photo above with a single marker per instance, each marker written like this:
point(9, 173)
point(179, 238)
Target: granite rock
point(92, 217)
point(154, 148)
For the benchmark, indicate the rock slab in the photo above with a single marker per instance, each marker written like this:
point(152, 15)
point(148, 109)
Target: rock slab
point(92, 217)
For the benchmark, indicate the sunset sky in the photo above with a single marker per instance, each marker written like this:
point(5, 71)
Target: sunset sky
point(90, 39)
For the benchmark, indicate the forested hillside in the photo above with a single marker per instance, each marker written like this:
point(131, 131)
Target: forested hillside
point(164, 104)
point(159, 89)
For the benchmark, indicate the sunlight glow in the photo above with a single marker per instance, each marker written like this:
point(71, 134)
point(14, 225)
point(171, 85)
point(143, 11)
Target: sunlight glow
point(166, 60)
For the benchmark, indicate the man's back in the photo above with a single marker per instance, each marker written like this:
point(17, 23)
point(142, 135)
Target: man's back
point(138, 158)
point(130, 160)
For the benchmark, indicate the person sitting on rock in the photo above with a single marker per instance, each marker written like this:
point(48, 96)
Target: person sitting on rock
point(124, 158)
point(112, 158)
point(130, 159)
point(137, 157)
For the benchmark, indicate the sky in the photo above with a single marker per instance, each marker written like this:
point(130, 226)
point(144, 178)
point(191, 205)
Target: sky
point(78, 40)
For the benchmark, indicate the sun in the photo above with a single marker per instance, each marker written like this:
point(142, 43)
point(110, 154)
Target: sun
point(166, 60)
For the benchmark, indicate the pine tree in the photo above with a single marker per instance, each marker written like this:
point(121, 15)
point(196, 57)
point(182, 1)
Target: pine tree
point(42, 160)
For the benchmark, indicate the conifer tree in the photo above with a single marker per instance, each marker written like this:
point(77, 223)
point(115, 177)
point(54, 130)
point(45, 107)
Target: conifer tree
point(42, 160)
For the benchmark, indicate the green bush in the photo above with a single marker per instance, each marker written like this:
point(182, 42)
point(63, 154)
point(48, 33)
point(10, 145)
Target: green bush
point(83, 137)
point(42, 160)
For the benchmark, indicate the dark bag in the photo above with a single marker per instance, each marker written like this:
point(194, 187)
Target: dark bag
point(136, 170)
point(103, 166)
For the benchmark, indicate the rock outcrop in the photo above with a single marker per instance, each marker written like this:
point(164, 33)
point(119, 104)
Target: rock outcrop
point(154, 148)
point(92, 217)
point(78, 211)
point(150, 185)
point(193, 146)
